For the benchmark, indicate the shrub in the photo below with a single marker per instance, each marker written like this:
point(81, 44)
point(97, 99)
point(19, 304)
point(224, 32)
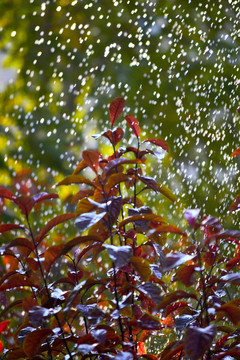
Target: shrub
point(119, 288)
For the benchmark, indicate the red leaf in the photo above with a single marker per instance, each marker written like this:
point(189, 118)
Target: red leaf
point(186, 275)
point(74, 179)
point(235, 152)
point(55, 221)
point(236, 204)
point(149, 322)
point(3, 325)
point(51, 255)
point(176, 295)
point(82, 165)
point(79, 240)
point(115, 109)
point(166, 229)
point(134, 124)
point(21, 242)
point(158, 142)
point(34, 339)
point(177, 305)
point(1, 346)
point(198, 341)
point(16, 281)
point(7, 194)
point(91, 158)
point(7, 227)
point(117, 162)
point(168, 354)
point(43, 196)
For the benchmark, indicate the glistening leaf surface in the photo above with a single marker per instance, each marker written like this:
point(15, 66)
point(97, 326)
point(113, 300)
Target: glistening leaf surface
point(34, 340)
point(134, 124)
point(91, 158)
point(54, 222)
point(158, 142)
point(198, 341)
point(115, 109)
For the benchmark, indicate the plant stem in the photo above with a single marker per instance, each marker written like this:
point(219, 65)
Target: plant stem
point(114, 268)
point(46, 287)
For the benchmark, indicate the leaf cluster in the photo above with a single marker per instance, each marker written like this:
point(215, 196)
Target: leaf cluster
point(119, 284)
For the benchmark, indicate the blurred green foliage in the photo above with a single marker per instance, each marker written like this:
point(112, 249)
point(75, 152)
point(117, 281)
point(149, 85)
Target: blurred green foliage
point(176, 63)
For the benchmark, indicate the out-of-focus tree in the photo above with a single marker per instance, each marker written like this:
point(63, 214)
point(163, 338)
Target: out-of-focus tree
point(176, 63)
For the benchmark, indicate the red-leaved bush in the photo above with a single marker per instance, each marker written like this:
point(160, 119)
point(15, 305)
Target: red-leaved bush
point(116, 288)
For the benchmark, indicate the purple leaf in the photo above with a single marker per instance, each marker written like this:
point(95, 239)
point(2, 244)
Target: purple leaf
point(120, 255)
point(198, 341)
point(175, 259)
point(86, 220)
point(191, 216)
point(92, 312)
point(152, 291)
point(124, 355)
point(99, 335)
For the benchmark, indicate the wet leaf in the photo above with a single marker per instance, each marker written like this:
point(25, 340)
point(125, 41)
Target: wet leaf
point(44, 196)
point(149, 322)
point(99, 335)
point(150, 182)
point(235, 152)
point(82, 165)
point(120, 255)
point(142, 267)
point(158, 142)
point(152, 291)
point(86, 348)
point(177, 305)
point(51, 255)
point(114, 136)
point(124, 355)
point(82, 194)
point(92, 312)
point(54, 222)
point(233, 278)
point(164, 190)
point(167, 229)
point(20, 241)
point(34, 340)
point(3, 325)
point(231, 311)
point(148, 217)
point(114, 180)
point(236, 204)
point(191, 216)
point(117, 162)
point(15, 281)
point(91, 158)
point(186, 275)
point(38, 314)
point(85, 206)
point(134, 124)
point(174, 296)
point(170, 351)
point(198, 341)
point(75, 179)
point(7, 194)
point(8, 227)
point(86, 220)
point(175, 259)
point(79, 240)
point(115, 109)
